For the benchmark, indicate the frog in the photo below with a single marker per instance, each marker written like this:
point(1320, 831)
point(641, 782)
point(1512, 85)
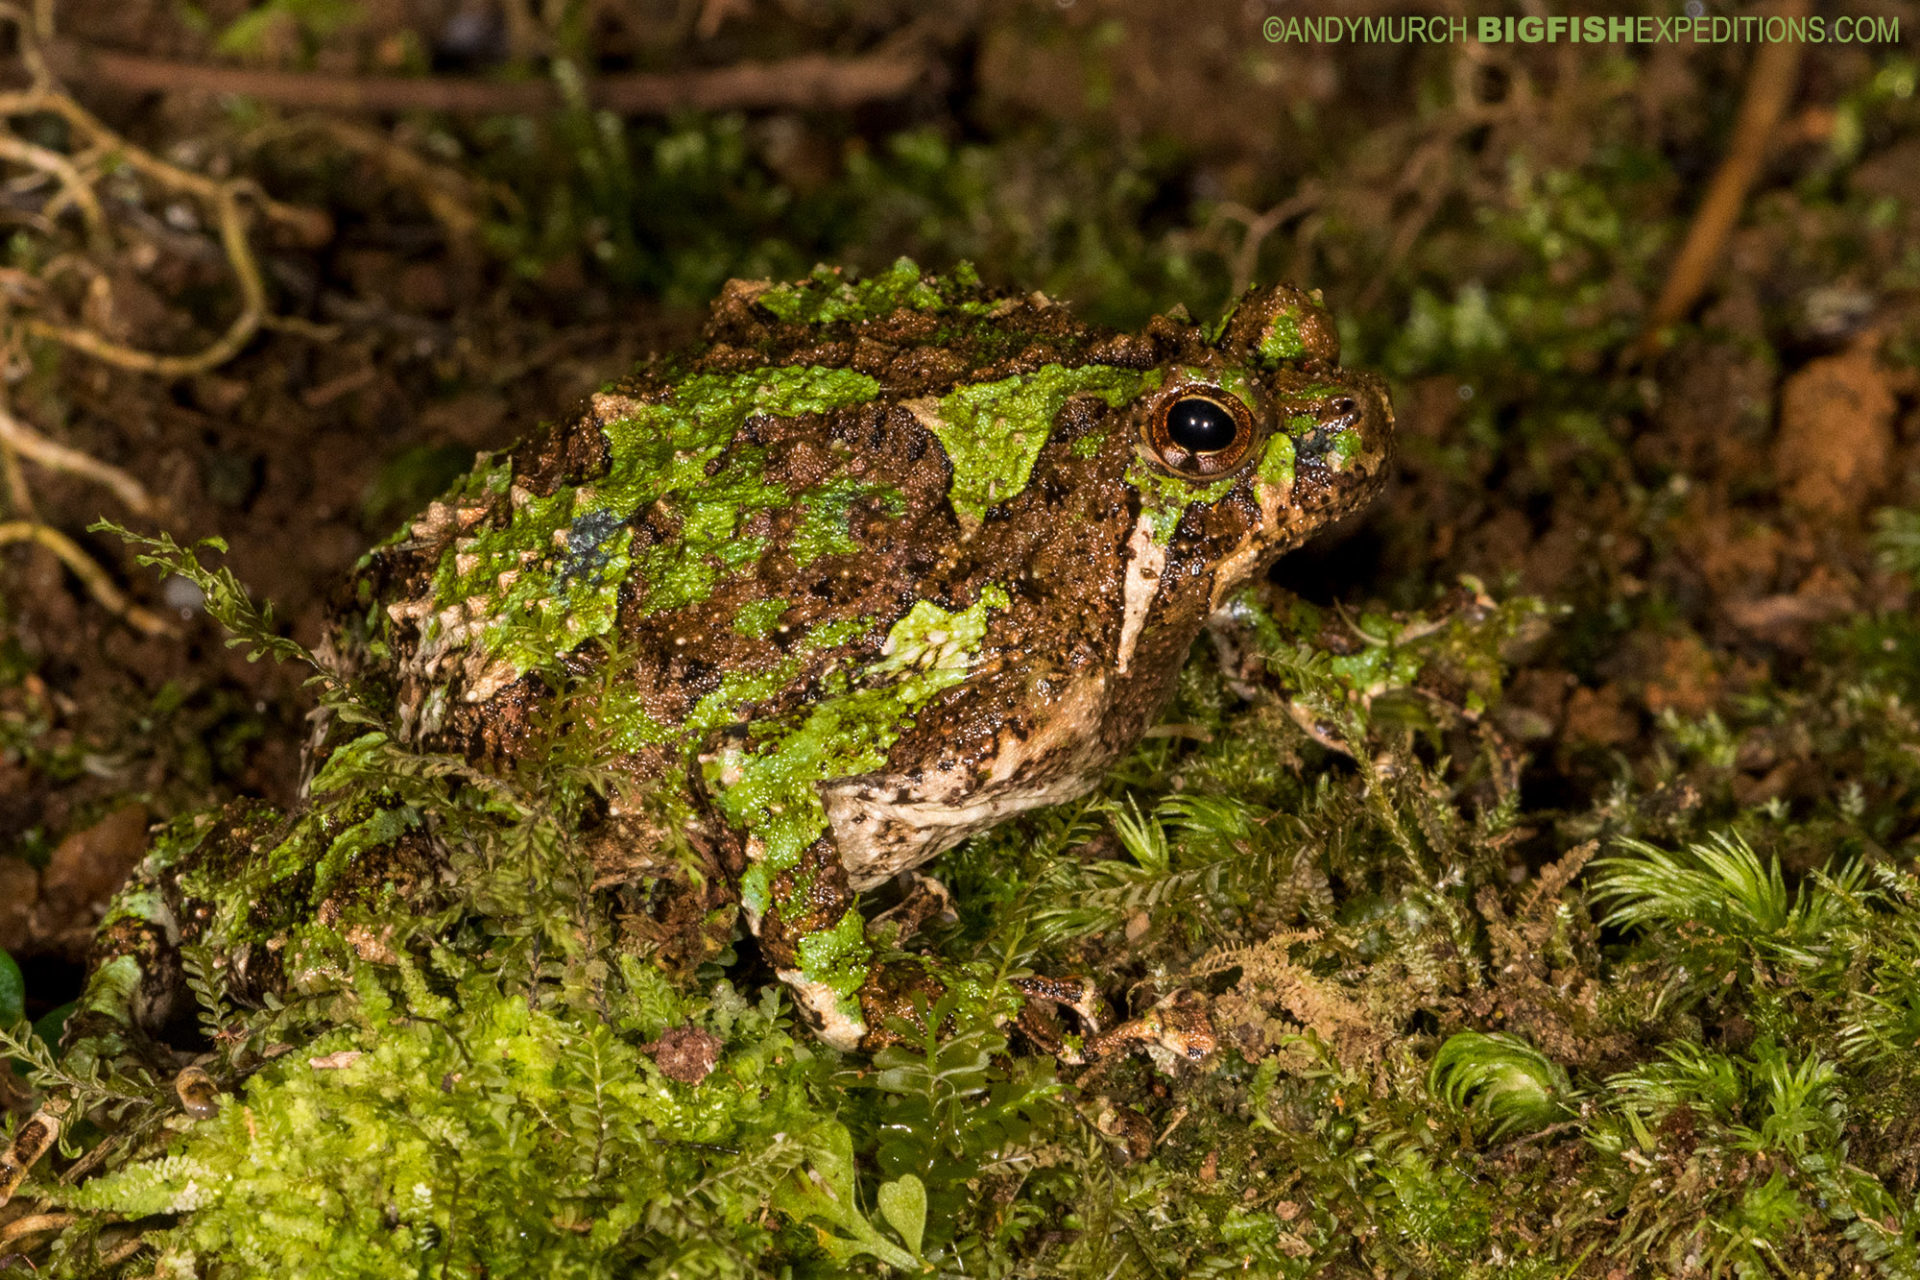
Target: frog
point(882, 563)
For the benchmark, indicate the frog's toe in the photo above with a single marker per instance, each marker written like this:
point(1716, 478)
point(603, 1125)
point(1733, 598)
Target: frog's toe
point(1177, 1028)
point(1040, 1020)
point(923, 898)
point(837, 1020)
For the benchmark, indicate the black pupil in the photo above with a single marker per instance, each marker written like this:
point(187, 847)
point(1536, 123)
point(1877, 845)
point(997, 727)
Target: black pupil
point(1199, 425)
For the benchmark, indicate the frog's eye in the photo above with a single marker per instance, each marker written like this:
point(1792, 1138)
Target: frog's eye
point(1201, 432)
point(1201, 425)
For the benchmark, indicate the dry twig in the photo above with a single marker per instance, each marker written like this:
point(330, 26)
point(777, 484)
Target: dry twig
point(34, 1223)
point(91, 575)
point(73, 184)
point(1258, 226)
point(30, 444)
point(253, 311)
point(453, 198)
point(309, 226)
point(1770, 85)
point(810, 81)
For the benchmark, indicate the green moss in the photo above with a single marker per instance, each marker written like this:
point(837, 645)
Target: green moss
point(993, 431)
point(837, 958)
point(550, 579)
point(544, 1141)
point(829, 297)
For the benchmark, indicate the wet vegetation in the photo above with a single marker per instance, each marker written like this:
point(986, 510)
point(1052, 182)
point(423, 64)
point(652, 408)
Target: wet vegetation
point(1545, 861)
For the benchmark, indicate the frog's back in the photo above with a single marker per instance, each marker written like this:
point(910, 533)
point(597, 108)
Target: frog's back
point(732, 536)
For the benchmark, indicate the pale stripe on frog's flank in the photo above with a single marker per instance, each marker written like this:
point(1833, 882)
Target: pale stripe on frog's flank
point(517, 598)
point(993, 431)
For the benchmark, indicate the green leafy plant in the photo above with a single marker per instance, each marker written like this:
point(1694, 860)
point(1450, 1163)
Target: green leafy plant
point(1502, 1080)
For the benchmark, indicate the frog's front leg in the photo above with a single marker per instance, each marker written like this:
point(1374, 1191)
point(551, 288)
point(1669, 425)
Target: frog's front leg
point(809, 926)
point(810, 929)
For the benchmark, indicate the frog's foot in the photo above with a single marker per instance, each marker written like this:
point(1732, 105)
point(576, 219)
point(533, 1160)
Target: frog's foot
point(895, 998)
point(925, 899)
point(1177, 1028)
point(1040, 1020)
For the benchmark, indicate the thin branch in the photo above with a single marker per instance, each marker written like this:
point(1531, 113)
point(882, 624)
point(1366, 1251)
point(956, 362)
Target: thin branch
point(28, 443)
point(19, 496)
point(449, 194)
point(311, 226)
point(34, 1223)
point(1770, 86)
point(73, 184)
point(91, 575)
point(1258, 226)
point(253, 310)
point(807, 81)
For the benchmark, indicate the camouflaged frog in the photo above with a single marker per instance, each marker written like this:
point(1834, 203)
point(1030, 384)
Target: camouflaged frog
point(885, 562)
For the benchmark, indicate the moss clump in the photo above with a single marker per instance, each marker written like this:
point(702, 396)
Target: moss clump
point(478, 1129)
point(827, 298)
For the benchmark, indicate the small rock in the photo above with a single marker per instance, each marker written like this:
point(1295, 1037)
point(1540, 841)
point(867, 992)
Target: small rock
point(86, 869)
point(686, 1054)
point(1836, 434)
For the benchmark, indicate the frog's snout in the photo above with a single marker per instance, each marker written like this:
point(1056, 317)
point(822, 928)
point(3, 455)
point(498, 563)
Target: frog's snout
point(1353, 430)
point(1374, 410)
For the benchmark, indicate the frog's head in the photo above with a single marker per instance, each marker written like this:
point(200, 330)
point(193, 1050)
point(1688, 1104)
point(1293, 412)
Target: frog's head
point(1254, 439)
